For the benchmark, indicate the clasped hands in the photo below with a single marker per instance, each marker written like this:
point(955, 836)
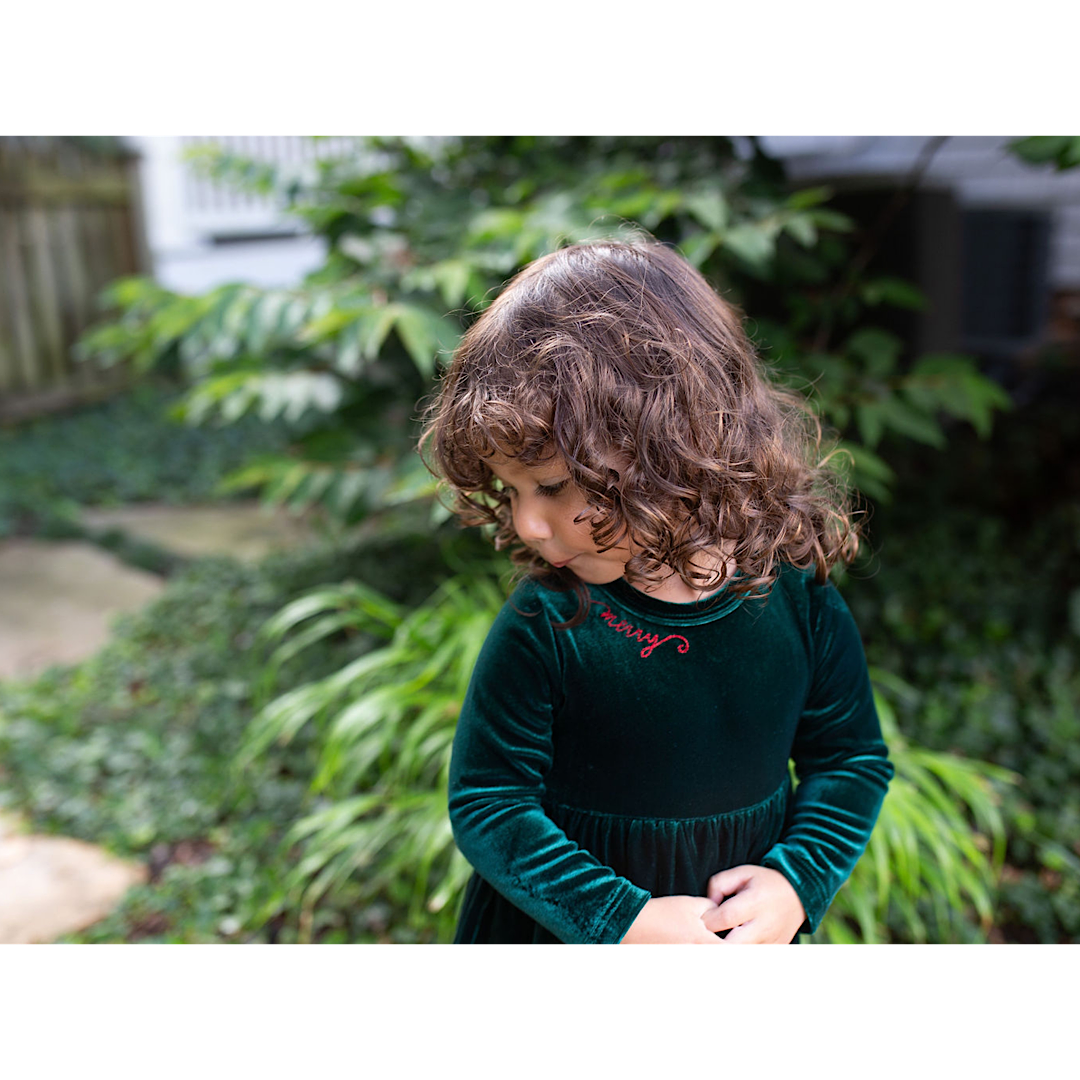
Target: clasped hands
point(755, 903)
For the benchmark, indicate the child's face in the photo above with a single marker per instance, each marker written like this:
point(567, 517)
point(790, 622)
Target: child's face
point(545, 504)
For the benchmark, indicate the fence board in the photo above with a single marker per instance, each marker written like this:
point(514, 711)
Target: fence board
point(69, 224)
point(24, 369)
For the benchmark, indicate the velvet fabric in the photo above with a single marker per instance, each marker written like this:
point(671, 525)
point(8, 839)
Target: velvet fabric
point(646, 749)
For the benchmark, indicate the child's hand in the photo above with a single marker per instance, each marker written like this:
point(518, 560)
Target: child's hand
point(672, 920)
point(761, 906)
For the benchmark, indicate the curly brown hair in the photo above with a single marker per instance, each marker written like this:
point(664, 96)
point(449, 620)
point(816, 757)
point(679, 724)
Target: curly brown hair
point(620, 359)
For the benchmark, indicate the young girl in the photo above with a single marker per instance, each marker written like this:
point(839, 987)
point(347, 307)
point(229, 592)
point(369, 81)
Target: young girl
point(620, 768)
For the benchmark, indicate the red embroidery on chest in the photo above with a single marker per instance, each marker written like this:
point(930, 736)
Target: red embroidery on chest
point(652, 641)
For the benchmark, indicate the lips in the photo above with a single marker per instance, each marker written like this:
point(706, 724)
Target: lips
point(560, 565)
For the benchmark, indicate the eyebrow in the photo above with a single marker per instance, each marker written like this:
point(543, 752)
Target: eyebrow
point(563, 474)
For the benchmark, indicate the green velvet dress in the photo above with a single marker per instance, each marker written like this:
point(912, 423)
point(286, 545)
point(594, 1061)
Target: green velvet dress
point(641, 752)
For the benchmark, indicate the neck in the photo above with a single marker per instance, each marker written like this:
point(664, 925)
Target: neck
point(675, 591)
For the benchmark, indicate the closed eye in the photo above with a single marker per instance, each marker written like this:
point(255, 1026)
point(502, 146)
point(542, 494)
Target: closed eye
point(550, 490)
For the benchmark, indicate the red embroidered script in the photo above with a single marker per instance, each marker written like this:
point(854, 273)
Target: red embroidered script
point(621, 626)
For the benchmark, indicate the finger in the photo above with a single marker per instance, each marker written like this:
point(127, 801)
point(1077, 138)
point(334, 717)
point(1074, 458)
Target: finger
point(714, 923)
point(729, 914)
point(706, 907)
point(727, 882)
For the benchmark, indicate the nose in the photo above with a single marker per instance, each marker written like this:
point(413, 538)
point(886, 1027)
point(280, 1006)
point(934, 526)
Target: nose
point(530, 521)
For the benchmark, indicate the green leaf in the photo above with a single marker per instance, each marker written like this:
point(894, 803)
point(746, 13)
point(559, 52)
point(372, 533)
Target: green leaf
point(894, 291)
point(710, 208)
point(452, 276)
point(411, 481)
point(496, 224)
point(831, 220)
point(802, 227)
point(1061, 150)
point(808, 197)
point(349, 354)
point(878, 349)
point(906, 420)
point(868, 472)
point(751, 243)
point(424, 334)
point(871, 422)
point(266, 315)
point(952, 383)
point(697, 247)
point(328, 325)
point(373, 327)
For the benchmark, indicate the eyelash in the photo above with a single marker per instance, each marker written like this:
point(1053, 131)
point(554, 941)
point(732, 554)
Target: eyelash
point(548, 492)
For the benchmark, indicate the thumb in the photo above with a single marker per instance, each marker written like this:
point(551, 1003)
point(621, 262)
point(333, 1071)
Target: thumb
point(727, 916)
point(727, 882)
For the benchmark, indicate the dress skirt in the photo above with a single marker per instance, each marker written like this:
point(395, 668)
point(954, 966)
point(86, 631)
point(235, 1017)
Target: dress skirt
point(666, 856)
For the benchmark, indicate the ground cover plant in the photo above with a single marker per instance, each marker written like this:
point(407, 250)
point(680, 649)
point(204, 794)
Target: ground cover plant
point(135, 749)
point(124, 450)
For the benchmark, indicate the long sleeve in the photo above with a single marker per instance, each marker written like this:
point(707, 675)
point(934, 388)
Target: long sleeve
point(841, 763)
point(502, 752)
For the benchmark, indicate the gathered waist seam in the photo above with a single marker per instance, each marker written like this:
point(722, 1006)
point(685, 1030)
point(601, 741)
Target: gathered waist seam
point(743, 811)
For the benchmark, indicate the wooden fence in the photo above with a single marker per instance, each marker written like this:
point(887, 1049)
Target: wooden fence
point(69, 224)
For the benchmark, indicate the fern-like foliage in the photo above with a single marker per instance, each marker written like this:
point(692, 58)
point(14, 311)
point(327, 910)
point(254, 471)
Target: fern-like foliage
point(934, 859)
point(386, 723)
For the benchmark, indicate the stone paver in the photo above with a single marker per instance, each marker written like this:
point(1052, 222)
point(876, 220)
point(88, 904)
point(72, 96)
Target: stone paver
point(57, 601)
point(243, 530)
point(52, 885)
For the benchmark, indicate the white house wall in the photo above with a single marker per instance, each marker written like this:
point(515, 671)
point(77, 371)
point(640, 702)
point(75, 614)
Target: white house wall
point(186, 217)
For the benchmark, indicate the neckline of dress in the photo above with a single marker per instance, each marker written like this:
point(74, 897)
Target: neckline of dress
point(720, 603)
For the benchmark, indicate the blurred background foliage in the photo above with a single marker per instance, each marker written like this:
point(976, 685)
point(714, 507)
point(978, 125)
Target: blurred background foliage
point(418, 239)
point(314, 751)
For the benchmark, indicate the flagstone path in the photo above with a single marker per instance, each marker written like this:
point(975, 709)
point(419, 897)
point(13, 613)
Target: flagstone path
point(57, 601)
